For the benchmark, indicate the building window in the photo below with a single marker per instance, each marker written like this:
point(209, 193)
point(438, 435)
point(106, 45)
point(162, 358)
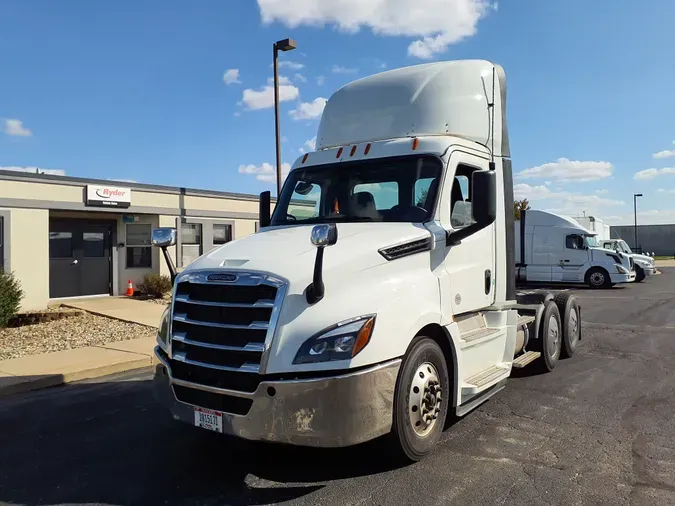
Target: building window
point(60, 245)
point(221, 234)
point(191, 242)
point(139, 246)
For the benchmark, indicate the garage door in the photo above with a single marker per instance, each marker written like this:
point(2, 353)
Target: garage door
point(80, 258)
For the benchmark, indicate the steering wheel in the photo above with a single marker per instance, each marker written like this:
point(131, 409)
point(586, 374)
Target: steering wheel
point(291, 217)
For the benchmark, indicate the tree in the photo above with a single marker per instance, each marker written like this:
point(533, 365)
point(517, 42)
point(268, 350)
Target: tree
point(422, 199)
point(520, 205)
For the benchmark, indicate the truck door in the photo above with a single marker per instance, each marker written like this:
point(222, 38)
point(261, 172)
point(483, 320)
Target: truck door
point(572, 259)
point(470, 265)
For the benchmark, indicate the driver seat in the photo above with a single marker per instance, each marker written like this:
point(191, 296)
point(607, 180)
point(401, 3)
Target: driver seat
point(362, 204)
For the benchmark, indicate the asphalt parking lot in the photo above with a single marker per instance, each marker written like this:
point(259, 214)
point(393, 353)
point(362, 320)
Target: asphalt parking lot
point(598, 430)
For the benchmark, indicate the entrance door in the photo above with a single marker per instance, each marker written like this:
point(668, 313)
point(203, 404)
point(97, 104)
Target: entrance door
point(80, 260)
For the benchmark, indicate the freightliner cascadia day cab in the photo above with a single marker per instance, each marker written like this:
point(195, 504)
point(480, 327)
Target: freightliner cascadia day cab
point(380, 296)
point(552, 248)
point(644, 264)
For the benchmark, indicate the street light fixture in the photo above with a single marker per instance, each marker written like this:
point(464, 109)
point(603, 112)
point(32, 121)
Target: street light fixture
point(635, 196)
point(280, 45)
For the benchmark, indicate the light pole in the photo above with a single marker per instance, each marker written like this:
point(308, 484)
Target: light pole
point(635, 196)
point(280, 45)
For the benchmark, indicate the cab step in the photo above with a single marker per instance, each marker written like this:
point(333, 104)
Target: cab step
point(491, 375)
point(526, 358)
point(525, 319)
point(480, 333)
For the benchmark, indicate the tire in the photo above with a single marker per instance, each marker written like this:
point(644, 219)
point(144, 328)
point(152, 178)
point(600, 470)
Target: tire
point(570, 314)
point(597, 277)
point(423, 365)
point(550, 337)
point(639, 274)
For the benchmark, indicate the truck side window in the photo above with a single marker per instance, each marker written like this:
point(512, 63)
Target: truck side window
point(461, 213)
point(305, 200)
point(574, 242)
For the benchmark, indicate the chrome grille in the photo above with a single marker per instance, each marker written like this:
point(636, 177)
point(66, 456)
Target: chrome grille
point(224, 325)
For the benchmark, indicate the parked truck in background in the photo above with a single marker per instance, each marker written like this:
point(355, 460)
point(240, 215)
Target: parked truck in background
point(644, 264)
point(552, 248)
point(389, 307)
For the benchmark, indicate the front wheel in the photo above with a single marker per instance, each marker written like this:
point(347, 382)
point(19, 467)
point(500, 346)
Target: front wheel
point(598, 278)
point(639, 274)
point(421, 400)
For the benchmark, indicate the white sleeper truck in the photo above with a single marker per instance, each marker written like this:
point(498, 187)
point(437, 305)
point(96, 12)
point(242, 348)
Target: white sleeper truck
point(551, 248)
point(379, 298)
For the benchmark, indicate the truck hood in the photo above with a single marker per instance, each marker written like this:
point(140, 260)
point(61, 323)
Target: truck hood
point(625, 259)
point(642, 258)
point(287, 251)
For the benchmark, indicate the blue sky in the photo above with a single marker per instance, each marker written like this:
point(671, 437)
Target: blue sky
point(140, 90)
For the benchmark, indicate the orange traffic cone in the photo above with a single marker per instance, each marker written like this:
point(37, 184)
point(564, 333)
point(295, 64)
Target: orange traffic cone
point(130, 289)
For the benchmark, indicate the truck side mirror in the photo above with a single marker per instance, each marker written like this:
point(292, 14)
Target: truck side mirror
point(164, 237)
point(322, 236)
point(264, 209)
point(483, 203)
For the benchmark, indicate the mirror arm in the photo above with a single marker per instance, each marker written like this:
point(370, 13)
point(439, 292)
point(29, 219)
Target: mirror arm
point(315, 291)
point(454, 238)
point(170, 265)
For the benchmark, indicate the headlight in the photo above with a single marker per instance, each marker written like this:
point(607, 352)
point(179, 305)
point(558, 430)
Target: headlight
point(621, 269)
point(164, 329)
point(339, 342)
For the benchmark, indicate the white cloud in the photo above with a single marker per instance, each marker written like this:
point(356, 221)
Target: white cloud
point(670, 190)
point(300, 77)
point(264, 97)
point(439, 23)
point(265, 172)
point(564, 170)
point(666, 153)
point(36, 170)
point(601, 192)
point(339, 69)
point(15, 127)
point(650, 217)
point(562, 201)
point(287, 64)
point(231, 76)
point(309, 110)
point(310, 145)
point(321, 80)
point(653, 173)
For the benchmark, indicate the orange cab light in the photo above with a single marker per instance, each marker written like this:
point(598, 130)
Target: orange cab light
point(365, 151)
point(304, 158)
point(363, 337)
point(339, 153)
point(352, 151)
point(416, 143)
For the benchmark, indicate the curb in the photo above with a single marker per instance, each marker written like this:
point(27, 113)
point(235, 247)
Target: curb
point(30, 373)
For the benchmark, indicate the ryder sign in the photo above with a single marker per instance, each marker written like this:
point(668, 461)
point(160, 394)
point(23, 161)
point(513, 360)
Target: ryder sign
point(108, 196)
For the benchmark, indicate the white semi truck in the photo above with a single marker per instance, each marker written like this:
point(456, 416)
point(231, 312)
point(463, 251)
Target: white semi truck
point(552, 248)
point(644, 264)
point(389, 307)
point(595, 225)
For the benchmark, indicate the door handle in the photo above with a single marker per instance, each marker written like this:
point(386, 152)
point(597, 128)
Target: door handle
point(74, 262)
point(488, 281)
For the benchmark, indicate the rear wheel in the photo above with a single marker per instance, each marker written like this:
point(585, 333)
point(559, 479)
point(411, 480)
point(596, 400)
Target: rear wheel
point(550, 337)
point(597, 277)
point(421, 400)
point(570, 314)
point(639, 274)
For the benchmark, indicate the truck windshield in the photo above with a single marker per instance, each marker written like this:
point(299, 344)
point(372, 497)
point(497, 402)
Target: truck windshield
point(401, 189)
point(591, 241)
point(624, 247)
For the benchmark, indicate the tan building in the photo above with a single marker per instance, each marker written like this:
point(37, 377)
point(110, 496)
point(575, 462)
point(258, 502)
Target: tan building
point(70, 237)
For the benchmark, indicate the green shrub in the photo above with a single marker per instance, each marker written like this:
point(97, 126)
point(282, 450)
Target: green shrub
point(155, 285)
point(10, 297)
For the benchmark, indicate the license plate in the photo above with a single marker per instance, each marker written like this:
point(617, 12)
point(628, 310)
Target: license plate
point(209, 419)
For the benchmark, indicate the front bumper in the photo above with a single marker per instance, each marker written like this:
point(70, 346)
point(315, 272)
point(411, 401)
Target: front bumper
point(649, 271)
point(326, 412)
point(622, 278)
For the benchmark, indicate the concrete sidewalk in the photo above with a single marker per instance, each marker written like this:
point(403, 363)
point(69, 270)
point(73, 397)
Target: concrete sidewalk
point(50, 369)
point(122, 308)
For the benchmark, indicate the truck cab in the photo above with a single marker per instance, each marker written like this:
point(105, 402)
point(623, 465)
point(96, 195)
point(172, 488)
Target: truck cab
point(379, 297)
point(554, 248)
point(644, 264)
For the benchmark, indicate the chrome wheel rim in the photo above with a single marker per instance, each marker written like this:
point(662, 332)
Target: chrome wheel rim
point(425, 399)
point(574, 327)
point(597, 278)
point(553, 337)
